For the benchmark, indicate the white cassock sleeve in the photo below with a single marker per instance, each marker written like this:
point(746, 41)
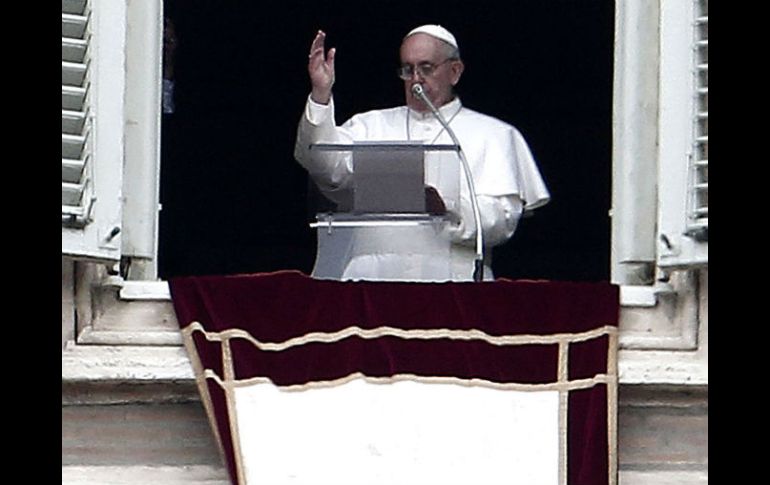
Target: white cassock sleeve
point(499, 217)
point(506, 179)
point(330, 170)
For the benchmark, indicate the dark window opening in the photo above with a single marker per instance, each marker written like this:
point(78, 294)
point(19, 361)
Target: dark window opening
point(235, 201)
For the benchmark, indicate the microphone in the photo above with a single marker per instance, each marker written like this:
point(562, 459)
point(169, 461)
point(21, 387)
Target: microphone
point(478, 266)
point(418, 90)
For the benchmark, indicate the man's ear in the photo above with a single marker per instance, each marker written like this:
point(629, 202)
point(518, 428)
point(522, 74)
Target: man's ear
point(457, 71)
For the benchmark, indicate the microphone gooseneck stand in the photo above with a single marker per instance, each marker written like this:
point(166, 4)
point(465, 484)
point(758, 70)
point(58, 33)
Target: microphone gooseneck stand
point(478, 264)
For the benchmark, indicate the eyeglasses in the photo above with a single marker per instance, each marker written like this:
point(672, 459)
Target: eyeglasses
point(424, 69)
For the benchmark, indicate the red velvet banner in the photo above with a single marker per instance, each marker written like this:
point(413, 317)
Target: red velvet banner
point(500, 333)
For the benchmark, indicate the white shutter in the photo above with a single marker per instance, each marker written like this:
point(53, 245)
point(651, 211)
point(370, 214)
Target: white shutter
point(93, 80)
point(683, 134)
point(76, 193)
point(698, 210)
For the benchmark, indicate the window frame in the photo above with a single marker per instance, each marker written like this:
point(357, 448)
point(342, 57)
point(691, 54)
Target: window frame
point(141, 171)
point(124, 94)
point(653, 318)
point(652, 138)
point(654, 135)
point(653, 129)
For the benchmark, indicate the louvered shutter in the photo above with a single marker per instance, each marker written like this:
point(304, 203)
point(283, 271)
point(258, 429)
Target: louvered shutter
point(76, 190)
point(698, 217)
point(683, 134)
point(93, 83)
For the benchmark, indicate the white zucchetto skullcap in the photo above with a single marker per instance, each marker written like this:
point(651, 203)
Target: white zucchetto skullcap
point(436, 31)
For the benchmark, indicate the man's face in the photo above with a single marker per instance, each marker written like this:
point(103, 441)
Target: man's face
point(422, 49)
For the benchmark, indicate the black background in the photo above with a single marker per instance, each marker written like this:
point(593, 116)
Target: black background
point(235, 201)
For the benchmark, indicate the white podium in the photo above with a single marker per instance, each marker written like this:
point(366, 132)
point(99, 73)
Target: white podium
point(395, 209)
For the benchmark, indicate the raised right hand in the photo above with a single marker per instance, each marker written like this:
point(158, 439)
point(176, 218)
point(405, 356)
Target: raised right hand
point(320, 67)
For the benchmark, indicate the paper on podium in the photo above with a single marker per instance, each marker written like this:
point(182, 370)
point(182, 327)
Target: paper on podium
point(389, 177)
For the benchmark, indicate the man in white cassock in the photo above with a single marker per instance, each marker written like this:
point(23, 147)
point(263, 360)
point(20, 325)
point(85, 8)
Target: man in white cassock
point(506, 178)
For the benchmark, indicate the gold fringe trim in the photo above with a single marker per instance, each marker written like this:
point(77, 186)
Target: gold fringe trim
point(386, 331)
point(472, 382)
